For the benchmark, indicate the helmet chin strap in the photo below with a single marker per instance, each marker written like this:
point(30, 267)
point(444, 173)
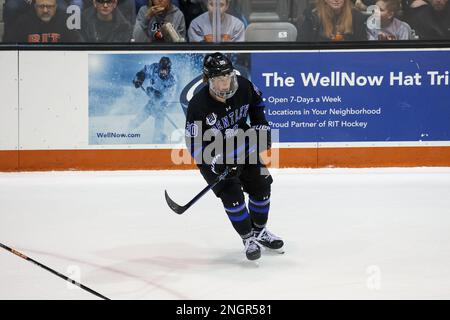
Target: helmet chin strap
point(223, 94)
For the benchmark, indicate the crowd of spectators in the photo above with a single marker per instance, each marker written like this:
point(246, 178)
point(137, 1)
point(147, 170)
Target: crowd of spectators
point(146, 21)
point(338, 20)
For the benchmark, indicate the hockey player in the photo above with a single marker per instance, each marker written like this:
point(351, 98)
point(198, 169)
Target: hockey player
point(159, 84)
point(224, 106)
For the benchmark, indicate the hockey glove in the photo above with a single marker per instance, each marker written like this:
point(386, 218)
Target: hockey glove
point(139, 79)
point(218, 167)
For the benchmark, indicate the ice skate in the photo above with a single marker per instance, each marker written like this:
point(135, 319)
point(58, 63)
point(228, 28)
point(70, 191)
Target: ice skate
point(269, 240)
point(252, 248)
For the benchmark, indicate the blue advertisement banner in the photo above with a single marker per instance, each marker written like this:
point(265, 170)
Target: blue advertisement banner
point(339, 96)
point(356, 96)
point(130, 102)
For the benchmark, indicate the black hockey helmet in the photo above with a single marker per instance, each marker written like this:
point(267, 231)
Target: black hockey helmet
point(216, 64)
point(217, 68)
point(165, 66)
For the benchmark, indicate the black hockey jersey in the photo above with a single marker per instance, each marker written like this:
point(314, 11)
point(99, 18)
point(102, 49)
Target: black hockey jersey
point(206, 113)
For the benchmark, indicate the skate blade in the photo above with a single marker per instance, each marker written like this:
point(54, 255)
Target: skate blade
point(274, 251)
point(250, 264)
point(253, 263)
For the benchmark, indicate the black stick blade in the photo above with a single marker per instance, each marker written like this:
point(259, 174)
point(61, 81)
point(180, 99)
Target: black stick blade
point(172, 205)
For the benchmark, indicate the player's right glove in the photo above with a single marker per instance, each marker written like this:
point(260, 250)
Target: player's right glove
point(218, 167)
point(139, 79)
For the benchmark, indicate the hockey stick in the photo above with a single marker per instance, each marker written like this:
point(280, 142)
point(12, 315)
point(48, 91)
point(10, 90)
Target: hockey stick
point(21, 255)
point(180, 209)
point(165, 115)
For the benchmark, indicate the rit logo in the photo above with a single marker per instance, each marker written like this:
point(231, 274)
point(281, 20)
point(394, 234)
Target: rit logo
point(44, 38)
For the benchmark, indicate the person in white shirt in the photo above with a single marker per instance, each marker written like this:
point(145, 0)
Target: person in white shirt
point(200, 30)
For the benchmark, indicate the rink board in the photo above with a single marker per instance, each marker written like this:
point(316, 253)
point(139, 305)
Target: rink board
point(72, 110)
point(9, 114)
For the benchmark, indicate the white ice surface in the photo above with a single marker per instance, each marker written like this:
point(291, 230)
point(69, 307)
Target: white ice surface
point(349, 233)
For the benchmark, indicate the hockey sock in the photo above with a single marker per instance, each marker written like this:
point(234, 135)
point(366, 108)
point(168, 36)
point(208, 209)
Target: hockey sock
point(239, 217)
point(259, 211)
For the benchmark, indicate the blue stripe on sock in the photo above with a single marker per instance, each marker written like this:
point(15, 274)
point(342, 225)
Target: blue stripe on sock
point(259, 203)
point(237, 209)
point(258, 210)
point(239, 218)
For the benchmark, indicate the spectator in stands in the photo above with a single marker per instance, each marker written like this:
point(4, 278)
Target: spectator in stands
point(233, 29)
point(152, 17)
point(391, 28)
point(104, 23)
point(126, 7)
point(430, 20)
point(333, 20)
point(141, 3)
point(44, 24)
point(13, 9)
